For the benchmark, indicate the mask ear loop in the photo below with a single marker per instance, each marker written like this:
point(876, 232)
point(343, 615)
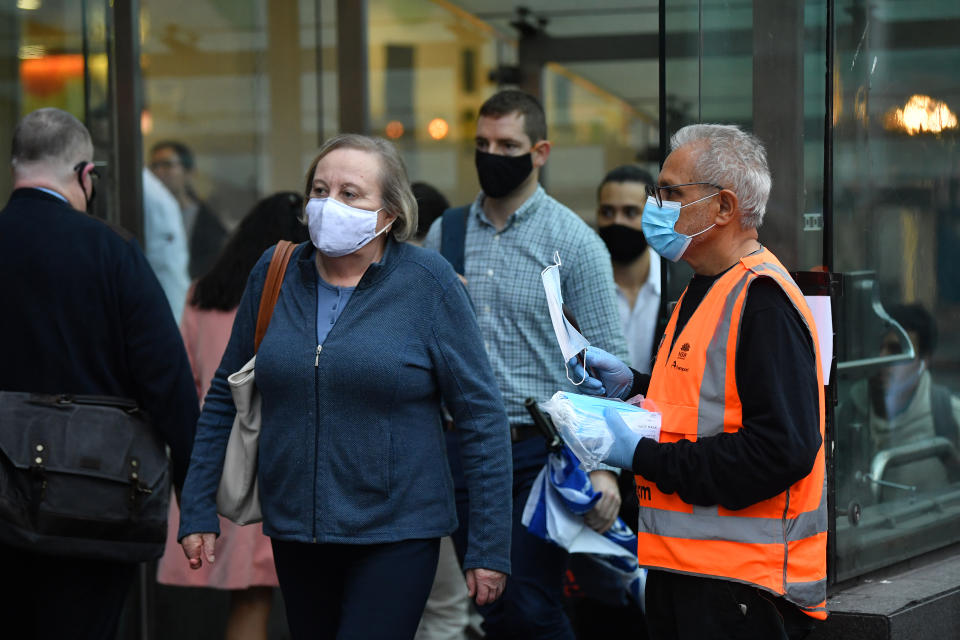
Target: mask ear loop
point(566, 370)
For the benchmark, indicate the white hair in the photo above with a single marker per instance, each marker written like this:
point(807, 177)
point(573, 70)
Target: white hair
point(51, 140)
point(734, 159)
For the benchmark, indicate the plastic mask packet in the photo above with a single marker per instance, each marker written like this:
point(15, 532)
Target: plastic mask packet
point(580, 422)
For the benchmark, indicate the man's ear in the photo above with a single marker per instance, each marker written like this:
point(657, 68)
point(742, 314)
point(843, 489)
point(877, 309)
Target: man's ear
point(729, 206)
point(540, 152)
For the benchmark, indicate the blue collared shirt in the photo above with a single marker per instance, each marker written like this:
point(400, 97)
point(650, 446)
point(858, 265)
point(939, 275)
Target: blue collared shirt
point(503, 277)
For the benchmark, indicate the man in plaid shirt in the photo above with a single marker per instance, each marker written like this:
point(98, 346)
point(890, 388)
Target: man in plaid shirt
point(513, 229)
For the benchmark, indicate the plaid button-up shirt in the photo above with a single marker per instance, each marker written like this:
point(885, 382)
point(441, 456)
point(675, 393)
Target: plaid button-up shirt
point(503, 277)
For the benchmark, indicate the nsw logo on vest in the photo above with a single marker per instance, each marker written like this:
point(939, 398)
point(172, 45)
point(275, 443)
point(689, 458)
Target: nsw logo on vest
point(684, 350)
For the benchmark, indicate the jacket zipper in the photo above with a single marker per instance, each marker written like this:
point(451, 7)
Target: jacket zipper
point(316, 434)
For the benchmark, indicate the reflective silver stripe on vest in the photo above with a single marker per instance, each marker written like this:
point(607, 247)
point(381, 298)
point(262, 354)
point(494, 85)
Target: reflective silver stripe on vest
point(810, 594)
point(707, 524)
point(713, 385)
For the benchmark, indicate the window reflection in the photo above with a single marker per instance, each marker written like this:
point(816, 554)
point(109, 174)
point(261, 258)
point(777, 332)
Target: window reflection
point(895, 208)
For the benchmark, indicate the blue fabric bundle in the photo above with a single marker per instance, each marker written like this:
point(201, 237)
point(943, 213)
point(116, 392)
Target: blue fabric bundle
point(559, 498)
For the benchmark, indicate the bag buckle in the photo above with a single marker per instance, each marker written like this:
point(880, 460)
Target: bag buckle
point(38, 474)
point(138, 491)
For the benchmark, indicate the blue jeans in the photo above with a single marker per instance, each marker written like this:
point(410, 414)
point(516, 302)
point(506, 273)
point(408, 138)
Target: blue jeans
point(532, 603)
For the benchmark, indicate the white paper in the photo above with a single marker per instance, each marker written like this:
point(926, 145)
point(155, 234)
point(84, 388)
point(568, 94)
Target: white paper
point(823, 317)
point(644, 423)
point(570, 340)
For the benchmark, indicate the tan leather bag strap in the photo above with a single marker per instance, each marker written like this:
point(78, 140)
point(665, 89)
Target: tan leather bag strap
point(271, 288)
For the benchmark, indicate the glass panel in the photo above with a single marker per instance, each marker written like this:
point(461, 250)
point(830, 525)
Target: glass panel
point(714, 73)
point(432, 64)
point(429, 72)
point(897, 213)
point(232, 112)
point(53, 54)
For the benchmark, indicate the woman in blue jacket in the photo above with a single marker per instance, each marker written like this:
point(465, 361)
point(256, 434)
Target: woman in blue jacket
point(368, 336)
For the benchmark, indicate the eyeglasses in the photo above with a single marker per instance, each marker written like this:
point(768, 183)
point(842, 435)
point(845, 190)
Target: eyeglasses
point(655, 191)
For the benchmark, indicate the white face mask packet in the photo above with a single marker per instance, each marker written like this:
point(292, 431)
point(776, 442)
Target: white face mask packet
point(570, 340)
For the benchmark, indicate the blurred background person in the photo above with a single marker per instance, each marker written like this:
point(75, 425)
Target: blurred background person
point(595, 608)
point(245, 566)
point(636, 266)
point(173, 163)
point(446, 614)
point(165, 242)
point(430, 205)
point(353, 485)
point(902, 404)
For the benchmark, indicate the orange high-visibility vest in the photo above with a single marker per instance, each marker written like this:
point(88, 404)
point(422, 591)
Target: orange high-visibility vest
point(778, 544)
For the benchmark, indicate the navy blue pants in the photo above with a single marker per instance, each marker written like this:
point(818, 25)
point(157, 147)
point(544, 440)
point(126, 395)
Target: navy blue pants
point(531, 606)
point(362, 592)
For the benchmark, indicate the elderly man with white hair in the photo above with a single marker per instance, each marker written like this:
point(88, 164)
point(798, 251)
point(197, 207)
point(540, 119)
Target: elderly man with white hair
point(732, 503)
point(84, 318)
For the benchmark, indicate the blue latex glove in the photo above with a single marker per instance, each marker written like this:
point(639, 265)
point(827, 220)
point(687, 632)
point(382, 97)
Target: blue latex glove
point(624, 441)
point(613, 378)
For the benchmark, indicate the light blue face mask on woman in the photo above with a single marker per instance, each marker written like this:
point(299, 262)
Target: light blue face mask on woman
point(658, 222)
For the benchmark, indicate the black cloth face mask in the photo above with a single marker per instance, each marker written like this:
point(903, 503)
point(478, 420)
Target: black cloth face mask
point(624, 243)
point(501, 175)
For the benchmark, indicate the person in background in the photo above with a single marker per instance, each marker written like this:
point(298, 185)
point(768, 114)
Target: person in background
point(513, 228)
point(173, 163)
point(448, 609)
point(621, 197)
point(733, 520)
point(83, 314)
point(246, 560)
point(369, 335)
point(636, 266)
point(165, 242)
point(901, 404)
point(430, 205)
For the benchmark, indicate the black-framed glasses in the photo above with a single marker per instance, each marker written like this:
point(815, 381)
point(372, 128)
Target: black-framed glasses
point(655, 190)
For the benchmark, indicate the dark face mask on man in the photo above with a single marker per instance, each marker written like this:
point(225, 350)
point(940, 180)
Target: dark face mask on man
point(624, 243)
point(93, 187)
point(501, 175)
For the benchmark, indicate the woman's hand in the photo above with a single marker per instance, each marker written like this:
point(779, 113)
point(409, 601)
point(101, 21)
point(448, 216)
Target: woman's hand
point(197, 546)
point(484, 585)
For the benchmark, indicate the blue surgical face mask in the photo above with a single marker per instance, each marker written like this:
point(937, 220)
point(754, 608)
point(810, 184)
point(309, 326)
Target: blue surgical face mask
point(658, 223)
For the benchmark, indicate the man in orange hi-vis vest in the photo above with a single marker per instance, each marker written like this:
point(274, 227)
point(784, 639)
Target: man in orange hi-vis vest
point(733, 521)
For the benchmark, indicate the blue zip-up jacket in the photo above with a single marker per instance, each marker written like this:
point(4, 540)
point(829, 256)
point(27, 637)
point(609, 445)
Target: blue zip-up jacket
point(351, 444)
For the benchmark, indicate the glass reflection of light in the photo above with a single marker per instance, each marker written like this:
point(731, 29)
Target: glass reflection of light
point(922, 113)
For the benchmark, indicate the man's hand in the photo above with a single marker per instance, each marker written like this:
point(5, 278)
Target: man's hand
point(485, 585)
point(604, 513)
point(197, 546)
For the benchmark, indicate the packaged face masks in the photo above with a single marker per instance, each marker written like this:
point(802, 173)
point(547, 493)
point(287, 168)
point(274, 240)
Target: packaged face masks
point(579, 419)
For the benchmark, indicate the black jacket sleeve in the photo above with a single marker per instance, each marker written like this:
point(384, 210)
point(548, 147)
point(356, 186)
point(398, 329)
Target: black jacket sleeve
point(778, 444)
point(157, 359)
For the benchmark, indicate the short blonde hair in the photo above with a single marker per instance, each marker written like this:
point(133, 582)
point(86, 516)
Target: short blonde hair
point(395, 190)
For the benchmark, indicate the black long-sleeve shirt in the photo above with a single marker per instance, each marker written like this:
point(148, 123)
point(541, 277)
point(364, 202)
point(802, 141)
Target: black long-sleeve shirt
point(777, 383)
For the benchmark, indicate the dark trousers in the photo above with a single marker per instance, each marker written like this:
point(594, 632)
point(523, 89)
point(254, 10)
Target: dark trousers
point(53, 597)
point(681, 607)
point(531, 606)
point(362, 592)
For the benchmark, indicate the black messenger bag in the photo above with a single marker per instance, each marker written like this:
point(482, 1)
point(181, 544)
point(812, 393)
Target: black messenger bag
point(81, 476)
